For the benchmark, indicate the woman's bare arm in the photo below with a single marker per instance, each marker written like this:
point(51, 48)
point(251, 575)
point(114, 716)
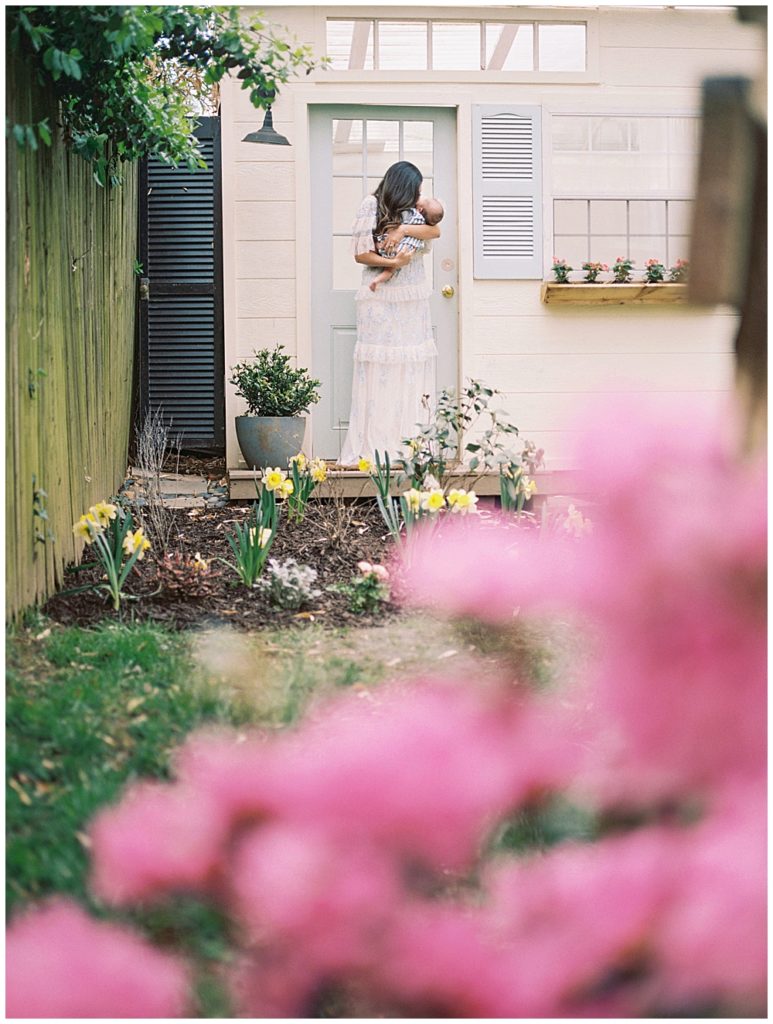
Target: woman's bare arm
point(372, 259)
point(424, 232)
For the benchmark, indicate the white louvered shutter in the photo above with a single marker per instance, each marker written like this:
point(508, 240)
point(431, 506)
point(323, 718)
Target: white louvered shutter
point(507, 184)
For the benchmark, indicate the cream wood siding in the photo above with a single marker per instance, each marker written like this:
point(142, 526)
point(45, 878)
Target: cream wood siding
point(548, 362)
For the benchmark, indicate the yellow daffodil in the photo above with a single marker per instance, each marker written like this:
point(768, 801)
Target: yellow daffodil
point(286, 488)
point(103, 512)
point(264, 535)
point(87, 527)
point(318, 470)
point(300, 461)
point(200, 564)
point(365, 466)
point(136, 541)
point(462, 501)
point(413, 499)
point(273, 478)
point(529, 487)
point(433, 501)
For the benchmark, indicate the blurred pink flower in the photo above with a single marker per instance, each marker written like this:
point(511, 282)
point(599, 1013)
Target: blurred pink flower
point(673, 579)
point(62, 963)
point(373, 768)
point(159, 838)
point(712, 943)
point(298, 889)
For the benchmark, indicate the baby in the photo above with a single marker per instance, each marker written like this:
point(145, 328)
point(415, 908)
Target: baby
point(427, 211)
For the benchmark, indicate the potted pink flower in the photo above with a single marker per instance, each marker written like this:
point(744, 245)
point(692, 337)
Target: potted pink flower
point(561, 270)
point(592, 271)
point(654, 272)
point(622, 270)
point(678, 273)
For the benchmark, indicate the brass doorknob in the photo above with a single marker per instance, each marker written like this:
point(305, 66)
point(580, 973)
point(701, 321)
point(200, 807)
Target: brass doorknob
point(447, 291)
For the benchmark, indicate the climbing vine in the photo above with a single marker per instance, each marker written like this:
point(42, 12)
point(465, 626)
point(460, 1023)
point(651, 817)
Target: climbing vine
point(109, 68)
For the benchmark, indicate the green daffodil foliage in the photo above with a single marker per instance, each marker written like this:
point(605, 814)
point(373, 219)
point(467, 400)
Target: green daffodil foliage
point(128, 78)
point(117, 545)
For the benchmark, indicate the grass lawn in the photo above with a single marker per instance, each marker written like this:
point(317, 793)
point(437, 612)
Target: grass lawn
point(90, 710)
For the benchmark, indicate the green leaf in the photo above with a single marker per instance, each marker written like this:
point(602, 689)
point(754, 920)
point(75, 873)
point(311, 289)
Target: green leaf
point(20, 135)
point(44, 132)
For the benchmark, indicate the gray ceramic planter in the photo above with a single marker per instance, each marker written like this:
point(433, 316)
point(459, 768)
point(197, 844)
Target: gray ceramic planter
point(270, 440)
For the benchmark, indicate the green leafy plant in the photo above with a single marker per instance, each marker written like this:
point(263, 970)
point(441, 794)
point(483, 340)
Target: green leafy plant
point(380, 473)
point(118, 547)
point(367, 591)
point(592, 271)
point(561, 270)
point(271, 387)
point(516, 485)
point(432, 453)
point(304, 476)
point(128, 78)
point(678, 273)
point(251, 541)
point(621, 269)
point(654, 272)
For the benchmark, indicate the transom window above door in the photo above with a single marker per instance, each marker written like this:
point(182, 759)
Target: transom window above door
point(429, 45)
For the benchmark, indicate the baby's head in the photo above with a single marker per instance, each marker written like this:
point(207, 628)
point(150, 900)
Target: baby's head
point(431, 210)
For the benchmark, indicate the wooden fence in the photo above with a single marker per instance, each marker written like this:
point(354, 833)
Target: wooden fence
point(71, 289)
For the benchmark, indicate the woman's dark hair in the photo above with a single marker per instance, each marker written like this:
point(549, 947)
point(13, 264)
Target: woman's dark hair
point(397, 191)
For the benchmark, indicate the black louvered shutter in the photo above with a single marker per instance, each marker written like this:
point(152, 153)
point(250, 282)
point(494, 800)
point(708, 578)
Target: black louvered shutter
point(181, 323)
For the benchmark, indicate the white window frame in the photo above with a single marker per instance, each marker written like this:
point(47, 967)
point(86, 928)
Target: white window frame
point(494, 15)
point(551, 194)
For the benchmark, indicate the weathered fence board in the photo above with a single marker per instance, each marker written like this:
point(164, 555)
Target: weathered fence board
point(71, 288)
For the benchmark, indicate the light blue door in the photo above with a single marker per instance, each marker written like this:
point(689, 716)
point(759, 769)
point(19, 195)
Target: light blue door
point(351, 148)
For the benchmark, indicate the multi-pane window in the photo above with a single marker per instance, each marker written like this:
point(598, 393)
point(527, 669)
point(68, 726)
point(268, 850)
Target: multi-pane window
point(362, 151)
point(603, 229)
point(622, 186)
point(418, 45)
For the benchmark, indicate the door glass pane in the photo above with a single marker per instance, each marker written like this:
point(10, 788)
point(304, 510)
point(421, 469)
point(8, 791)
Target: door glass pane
point(509, 47)
point(346, 273)
point(383, 145)
point(402, 45)
point(456, 47)
point(347, 147)
point(417, 145)
point(649, 134)
point(350, 45)
point(561, 47)
point(347, 196)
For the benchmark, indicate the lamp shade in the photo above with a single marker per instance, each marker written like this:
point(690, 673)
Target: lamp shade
point(267, 135)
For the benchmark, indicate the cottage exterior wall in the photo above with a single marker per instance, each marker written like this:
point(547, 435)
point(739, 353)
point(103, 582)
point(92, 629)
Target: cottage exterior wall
point(547, 361)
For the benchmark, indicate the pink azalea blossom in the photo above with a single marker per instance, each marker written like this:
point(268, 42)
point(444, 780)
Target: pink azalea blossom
point(301, 889)
point(61, 963)
point(159, 838)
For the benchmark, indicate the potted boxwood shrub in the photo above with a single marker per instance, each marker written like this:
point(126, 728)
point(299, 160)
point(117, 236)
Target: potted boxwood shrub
point(277, 395)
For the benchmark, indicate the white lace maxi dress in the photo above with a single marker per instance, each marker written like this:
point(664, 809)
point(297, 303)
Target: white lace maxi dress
point(395, 353)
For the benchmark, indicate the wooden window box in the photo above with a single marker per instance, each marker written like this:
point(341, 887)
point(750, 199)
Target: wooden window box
point(638, 293)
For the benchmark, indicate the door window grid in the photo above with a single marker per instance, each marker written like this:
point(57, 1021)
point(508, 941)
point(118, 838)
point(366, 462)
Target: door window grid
point(432, 45)
point(592, 244)
point(352, 138)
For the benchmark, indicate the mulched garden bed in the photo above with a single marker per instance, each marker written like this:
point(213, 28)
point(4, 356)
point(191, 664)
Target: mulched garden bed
point(331, 538)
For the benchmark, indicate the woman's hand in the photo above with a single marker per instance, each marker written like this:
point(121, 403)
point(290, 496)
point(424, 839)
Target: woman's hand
point(402, 259)
point(393, 237)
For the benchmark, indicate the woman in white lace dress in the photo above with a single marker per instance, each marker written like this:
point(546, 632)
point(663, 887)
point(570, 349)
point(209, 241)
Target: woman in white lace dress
point(395, 353)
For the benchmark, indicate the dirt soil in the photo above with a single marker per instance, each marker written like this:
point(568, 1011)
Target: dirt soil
point(331, 538)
